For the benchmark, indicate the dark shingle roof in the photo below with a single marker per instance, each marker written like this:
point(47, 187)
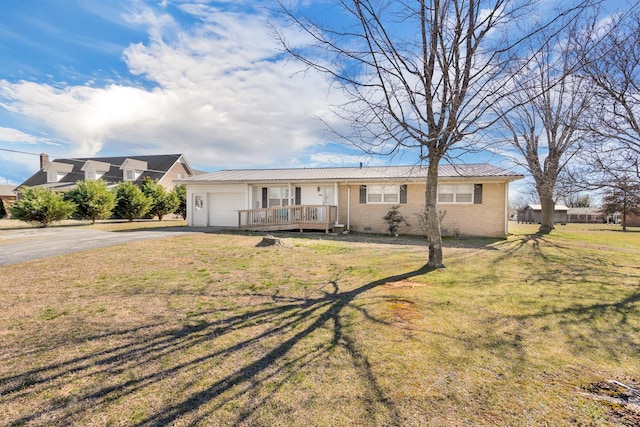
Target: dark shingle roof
point(157, 167)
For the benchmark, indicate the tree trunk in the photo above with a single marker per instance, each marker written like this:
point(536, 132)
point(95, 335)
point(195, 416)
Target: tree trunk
point(546, 221)
point(434, 236)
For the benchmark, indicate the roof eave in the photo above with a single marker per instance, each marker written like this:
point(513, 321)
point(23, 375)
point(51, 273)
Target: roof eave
point(499, 179)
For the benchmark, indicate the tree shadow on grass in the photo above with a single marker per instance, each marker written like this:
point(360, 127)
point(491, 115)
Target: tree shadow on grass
point(590, 297)
point(267, 356)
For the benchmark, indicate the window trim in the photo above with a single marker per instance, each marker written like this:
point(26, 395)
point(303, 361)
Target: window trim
point(126, 175)
point(384, 191)
point(53, 176)
point(469, 189)
point(284, 201)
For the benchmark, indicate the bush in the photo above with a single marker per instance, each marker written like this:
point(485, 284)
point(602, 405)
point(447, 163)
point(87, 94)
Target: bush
point(162, 201)
point(131, 203)
point(394, 218)
point(41, 205)
point(93, 200)
point(3, 211)
point(181, 193)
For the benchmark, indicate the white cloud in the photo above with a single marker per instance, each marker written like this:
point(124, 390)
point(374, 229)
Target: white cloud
point(219, 91)
point(14, 135)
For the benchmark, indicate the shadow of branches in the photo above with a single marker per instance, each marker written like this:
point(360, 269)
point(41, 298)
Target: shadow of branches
point(254, 345)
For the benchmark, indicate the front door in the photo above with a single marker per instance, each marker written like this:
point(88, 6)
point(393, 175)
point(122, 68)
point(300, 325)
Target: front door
point(328, 194)
point(199, 204)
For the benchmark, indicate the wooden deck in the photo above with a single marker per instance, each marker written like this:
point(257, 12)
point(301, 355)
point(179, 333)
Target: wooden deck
point(299, 217)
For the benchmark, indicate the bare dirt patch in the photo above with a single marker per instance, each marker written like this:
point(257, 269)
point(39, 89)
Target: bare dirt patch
point(404, 311)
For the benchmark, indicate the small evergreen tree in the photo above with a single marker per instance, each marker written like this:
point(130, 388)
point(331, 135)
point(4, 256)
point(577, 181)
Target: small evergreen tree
point(3, 211)
point(162, 201)
point(131, 203)
point(181, 193)
point(41, 205)
point(93, 200)
point(394, 218)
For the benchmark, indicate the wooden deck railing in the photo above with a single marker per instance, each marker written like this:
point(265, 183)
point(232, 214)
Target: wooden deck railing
point(316, 217)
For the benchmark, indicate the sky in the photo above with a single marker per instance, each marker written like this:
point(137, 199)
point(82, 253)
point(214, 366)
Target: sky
point(83, 78)
point(126, 77)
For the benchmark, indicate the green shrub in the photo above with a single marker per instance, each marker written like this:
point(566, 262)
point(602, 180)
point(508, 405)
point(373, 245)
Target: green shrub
point(163, 202)
point(41, 205)
point(3, 211)
point(131, 203)
point(394, 218)
point(181, 193)
point(93, 200)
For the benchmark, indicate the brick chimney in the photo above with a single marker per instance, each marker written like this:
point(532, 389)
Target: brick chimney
point(44, 160)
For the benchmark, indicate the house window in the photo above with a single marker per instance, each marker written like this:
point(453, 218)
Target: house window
point(180, 176)
point(383, 193)
point(199, 203)
point(129, 175)
point(55, 176)
point(90, 175)
point(455, 193)
point(52, 176)
point(278, 196)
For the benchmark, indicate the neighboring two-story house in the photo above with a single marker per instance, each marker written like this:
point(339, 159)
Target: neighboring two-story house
point(62, 174)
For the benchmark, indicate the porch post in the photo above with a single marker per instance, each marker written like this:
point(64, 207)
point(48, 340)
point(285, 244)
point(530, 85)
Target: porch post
point(506, 209)
point(336, 198)
point(348, 207)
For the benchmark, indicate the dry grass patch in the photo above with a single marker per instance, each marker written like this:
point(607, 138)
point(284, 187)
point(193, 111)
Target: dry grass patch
point(207, 329)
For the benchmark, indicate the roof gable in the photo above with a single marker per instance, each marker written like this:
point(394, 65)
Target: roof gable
point(58, 167)
point(130, 163)
point(95, 166)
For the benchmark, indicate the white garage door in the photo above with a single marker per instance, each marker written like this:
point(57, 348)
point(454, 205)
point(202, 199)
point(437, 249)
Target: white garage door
point(224, 207)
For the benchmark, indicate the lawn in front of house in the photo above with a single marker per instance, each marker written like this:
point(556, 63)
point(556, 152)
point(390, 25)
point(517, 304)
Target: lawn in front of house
point(208, 329)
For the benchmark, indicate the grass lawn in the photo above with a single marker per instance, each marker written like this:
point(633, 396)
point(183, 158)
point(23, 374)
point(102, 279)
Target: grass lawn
point(208, 329)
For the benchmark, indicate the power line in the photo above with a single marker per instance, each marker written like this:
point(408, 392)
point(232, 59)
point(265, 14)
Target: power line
point(21, 152)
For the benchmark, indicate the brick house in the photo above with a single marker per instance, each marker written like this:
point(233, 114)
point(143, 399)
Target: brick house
point(8, 197)
point(472, 199)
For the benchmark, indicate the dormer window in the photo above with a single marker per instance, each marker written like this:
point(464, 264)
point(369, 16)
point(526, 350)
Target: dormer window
point(56, 171)
point(132, 169)
point(94, 170)
point(53, 176)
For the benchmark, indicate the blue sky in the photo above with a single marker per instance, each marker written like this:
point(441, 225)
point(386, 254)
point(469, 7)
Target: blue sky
point(125, 77)
point(94, 78)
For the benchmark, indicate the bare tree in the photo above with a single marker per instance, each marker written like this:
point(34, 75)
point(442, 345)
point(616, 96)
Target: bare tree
point(421, 75)
point(542, 117)
point(610, 59)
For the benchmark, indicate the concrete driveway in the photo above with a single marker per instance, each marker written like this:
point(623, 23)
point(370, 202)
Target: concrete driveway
point(36, 243)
